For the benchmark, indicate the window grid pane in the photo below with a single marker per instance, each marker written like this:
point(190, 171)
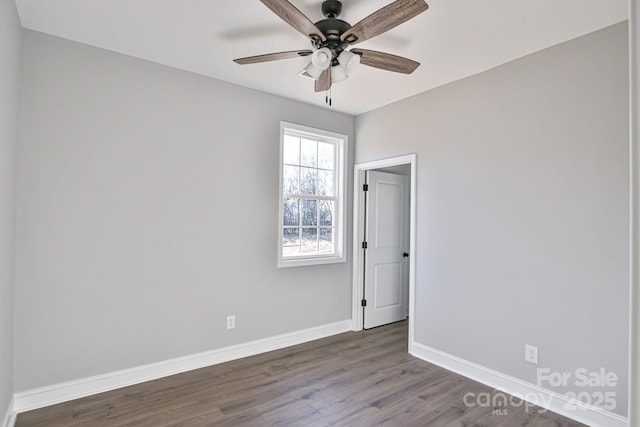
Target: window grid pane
point(309, 241)
point(291, 241)
point(291, 150)
point(308, 153)
point(308, 181)
point(291, 211)
point(326, 245)
point(326, 155)
point(290, 179)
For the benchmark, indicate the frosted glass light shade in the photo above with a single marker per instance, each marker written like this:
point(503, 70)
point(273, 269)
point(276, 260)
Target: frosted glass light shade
point(349, 61)
point(338, 74)
point(321, 58)
point(312, 71)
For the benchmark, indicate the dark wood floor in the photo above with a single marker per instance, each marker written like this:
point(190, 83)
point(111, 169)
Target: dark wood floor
point(354, 379)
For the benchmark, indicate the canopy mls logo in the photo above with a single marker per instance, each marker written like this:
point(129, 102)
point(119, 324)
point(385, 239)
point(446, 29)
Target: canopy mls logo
point(588, 389)
point(501, 402)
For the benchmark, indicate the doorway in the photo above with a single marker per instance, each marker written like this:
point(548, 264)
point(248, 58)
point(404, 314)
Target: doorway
point(392, 300)
point(386, 246)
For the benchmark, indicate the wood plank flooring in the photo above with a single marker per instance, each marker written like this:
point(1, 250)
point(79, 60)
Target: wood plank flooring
point(356, 379)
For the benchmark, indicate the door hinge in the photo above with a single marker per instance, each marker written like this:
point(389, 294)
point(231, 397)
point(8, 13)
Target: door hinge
point(365, 187)
point(364, 245)
point(363, 303)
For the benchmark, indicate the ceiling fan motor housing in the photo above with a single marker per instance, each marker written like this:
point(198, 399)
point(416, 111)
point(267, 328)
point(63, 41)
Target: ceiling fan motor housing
point(332, 29)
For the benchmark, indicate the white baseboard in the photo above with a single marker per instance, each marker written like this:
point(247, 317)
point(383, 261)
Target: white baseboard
point(10, 417)
point(555, 402)
point(64, 392)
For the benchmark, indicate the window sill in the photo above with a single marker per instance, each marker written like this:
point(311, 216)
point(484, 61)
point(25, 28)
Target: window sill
point(317, 260)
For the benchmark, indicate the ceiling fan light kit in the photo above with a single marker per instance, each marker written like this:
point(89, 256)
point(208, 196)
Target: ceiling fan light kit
point(331, 61)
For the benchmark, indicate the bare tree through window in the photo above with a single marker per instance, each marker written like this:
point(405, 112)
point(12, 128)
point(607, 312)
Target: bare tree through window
point(309, 196)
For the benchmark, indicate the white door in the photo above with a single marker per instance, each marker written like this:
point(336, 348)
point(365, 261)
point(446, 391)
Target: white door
point(386, 279)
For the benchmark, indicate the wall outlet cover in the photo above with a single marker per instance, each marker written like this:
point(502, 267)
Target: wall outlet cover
point(531, 354)
point(231, 322)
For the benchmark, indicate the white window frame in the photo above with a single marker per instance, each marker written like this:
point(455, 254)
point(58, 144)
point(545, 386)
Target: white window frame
point(341, 141)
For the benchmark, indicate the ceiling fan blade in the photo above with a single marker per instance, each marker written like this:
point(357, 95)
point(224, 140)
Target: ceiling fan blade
point(324, 81)
point(386, 61)
point(384, 19)
point(272, 57)
point(292, 16)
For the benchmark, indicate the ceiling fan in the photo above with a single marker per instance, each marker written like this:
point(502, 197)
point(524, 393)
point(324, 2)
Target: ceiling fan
point(331, 61)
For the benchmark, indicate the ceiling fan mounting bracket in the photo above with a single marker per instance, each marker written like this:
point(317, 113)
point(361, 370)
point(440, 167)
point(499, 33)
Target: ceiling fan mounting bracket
point(331, 8)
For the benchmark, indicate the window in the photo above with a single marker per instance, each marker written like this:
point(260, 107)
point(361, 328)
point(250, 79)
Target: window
point(312, 180)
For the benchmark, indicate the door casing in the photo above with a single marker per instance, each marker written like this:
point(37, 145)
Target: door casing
point(358, 237)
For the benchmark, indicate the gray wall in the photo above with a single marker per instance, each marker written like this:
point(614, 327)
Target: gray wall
point(522, 208)
point(147, 212)
point(10, 34)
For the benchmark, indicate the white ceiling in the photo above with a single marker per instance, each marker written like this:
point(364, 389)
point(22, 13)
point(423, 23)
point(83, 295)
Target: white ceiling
point(452, 40)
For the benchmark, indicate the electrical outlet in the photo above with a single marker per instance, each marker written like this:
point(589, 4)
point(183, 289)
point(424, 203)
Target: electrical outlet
point(531, 354)
point(231, 322)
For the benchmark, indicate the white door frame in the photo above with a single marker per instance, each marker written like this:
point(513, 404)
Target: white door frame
point(358, 236)
point(634, 147)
